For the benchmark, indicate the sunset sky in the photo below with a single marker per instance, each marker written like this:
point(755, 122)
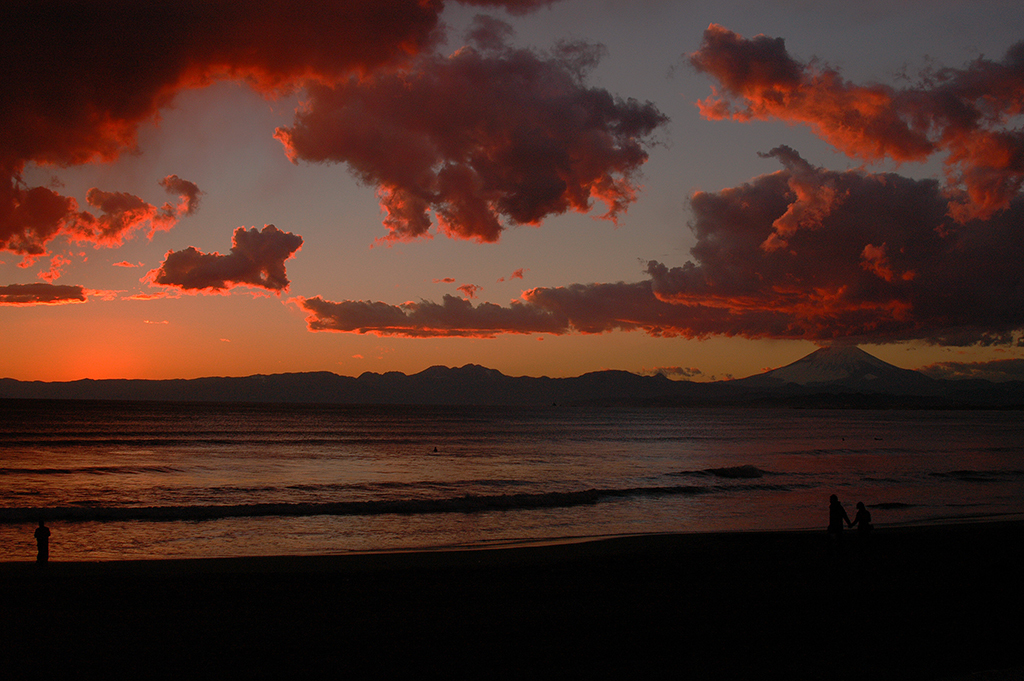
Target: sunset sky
point(545, 187)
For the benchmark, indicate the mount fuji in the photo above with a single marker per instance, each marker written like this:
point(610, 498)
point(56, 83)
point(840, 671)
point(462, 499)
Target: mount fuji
point(847, 367)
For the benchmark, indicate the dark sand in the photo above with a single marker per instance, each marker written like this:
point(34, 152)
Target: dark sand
point(920, 603)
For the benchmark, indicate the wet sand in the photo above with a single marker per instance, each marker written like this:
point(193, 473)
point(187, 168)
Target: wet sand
point(937, 602)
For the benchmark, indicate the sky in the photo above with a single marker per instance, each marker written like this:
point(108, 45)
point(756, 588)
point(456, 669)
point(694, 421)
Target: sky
point(545, 187)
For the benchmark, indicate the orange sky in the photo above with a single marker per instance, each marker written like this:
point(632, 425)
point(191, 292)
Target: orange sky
point(707, 189)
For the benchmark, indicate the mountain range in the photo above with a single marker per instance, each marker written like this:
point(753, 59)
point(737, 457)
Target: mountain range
point(837, 376)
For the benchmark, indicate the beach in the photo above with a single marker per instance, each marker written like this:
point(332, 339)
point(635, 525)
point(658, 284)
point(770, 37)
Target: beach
point(927, 602)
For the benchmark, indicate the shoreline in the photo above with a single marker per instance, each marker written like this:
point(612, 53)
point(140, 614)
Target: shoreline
point(953, 523)
point(919, 602)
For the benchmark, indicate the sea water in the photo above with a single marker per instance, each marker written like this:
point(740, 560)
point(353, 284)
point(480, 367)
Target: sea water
point(121, 480)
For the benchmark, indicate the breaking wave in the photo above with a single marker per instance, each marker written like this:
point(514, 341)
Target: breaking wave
point(460, 504)
point(968, 475)
point(745, 472)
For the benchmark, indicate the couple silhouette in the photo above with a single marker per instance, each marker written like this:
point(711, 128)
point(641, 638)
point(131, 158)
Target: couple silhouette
point(837, 516)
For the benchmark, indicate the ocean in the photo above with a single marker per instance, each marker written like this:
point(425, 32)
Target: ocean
point(142, 480)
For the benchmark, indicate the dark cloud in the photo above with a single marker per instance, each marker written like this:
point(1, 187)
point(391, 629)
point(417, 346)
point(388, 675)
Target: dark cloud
point(31, 217)
point(187, 192)
point(480, 138)
point(40, 294)
point(453, 317)
point(512, 6)
point(802, 253)
point(488, 33)
point(965, 113)
point(256, 259)
point(995, 370)
point(80, 77)
point(810, 253)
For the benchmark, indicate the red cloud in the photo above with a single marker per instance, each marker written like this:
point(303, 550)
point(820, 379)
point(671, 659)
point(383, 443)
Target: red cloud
point(187, 191)
point(880, 261)
point(40, 294)
point(79, 78)
point(469, 290)
point(518, 274)
point(57, 265)
point(480, 138)
point(256, 259)
point(965, 113)
point(29, 218)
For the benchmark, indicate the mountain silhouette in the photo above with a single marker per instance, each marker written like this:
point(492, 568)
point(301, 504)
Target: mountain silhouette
point(847, 367)
point(840, 376)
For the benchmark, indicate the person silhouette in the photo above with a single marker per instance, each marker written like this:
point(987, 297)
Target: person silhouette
point(836, 516)
point(42, 534)
point(862, 520)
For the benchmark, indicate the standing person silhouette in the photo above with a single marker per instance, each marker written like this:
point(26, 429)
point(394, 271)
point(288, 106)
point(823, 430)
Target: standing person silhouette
point(42, 543)
point(836, 516)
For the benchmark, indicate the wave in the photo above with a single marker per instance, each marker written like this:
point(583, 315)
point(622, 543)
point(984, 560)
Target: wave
point(460, 504)
point(969, 475)
point(197, 441)
point(91, 470)
point(744, 472)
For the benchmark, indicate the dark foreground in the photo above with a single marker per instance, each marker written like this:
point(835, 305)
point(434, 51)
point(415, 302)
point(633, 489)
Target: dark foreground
point(919, 603)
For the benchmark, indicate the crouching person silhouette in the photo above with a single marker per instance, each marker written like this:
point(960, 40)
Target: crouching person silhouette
point(862, 521)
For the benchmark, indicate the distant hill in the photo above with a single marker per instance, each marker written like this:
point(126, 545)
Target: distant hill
point(837, 377)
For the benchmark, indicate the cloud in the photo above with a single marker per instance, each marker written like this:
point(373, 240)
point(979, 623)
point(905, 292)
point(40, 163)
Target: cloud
point(446, 280)
point(80, 78)
point(57, 265)
point(580, 308)
point(30, 218)
point(996, 370)
point(187, 191)
point(454, 317)
point(469, 290)
point(512, 6)
point(878, 258)
point(518, 274)
point(256, 259)
point(40, 294)
point(879, 261)
point(965, 113)
point(670, 372)
point(483, 139)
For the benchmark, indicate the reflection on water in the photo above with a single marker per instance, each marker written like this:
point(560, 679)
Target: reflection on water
point(120, 480)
